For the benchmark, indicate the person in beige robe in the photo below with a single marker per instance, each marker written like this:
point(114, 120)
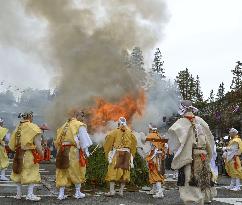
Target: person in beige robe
point(191, 140)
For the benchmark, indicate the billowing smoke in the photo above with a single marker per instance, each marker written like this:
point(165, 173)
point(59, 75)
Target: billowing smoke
point(162, 102)
point(85, 39)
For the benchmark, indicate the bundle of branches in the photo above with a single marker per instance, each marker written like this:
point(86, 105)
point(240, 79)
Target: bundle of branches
point(97, 169)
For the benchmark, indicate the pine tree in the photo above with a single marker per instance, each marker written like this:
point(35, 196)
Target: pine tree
point(158, 63)
point(211, 97)
point(237, 77)
point(192, 89)
point(221, 91)
point(137, 59)
point(198, 91)
point(183, 82)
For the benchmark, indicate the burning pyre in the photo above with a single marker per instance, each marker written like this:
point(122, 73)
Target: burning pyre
point(104, 112)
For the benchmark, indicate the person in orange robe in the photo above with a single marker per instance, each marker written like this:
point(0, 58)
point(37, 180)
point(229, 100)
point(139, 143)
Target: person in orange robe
point(156, 162)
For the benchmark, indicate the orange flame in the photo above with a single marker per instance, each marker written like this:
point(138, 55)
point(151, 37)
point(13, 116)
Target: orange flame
point(105, 111)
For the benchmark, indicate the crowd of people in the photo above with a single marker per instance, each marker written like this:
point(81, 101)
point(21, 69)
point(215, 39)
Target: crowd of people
point(189, 139)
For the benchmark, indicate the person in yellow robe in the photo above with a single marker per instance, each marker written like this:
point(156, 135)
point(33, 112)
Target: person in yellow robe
point(120, 148)
point(4, 161)
point(232, 160)
point(72, 142)
point(26, 142)
point(155, 161)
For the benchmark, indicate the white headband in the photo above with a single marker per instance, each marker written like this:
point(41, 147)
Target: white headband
point(233, 130)
point(1, 120)
point(122, 121)
point(226, 137)
point(152, 128)
point(183, 109)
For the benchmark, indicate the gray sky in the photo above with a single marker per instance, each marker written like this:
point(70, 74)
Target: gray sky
point(202, 35)
point(206, 37)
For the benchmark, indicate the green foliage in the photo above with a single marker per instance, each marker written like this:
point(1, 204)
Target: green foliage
point(140, 174)
point(198, 91)
point(189, 87)
point(211, 97)
point(219, 112)
point(221, 91)
point(137, 59)
point(237, 77)
point(158, 63)
point(225, 110)
point(182, 80)
point(97, 169)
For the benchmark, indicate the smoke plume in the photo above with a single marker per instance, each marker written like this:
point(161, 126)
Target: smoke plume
point(162, 101)
point(85, 43)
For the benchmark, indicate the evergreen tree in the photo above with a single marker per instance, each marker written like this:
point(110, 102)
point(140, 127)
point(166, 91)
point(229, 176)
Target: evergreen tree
point(186, 85)
point(182, 80)
point(221, 91)
point(158, 63)
point(137, 59)
point(198, 91)
point(237, 77)
point(192, 89)
point(211, 97)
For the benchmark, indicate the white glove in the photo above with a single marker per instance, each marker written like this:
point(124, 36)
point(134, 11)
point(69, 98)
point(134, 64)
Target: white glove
point(87, 152)
point(224, 149)
point(166, 146)
point(77, 142)
point(155, 152)
point(224, 155)
point(7, 138)
point(131, 161)
point(110, 156)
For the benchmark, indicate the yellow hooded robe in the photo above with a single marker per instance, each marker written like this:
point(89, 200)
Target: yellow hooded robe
point(233, 167)
point(30, 172)
point(118, 139)
point(75, 174)
point(4, 162)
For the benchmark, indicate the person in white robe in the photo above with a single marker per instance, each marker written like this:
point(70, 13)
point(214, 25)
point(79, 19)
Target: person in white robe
point(192, 142)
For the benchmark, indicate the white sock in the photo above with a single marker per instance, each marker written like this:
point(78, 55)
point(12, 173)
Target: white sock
point(78, 187)
point(62, 191)
point(233, 182)
point(30, 189)
point(237, 183)
point(19, 189)
point(158, 186)
point(122, 185)
point(112, 185)
point(3, 172)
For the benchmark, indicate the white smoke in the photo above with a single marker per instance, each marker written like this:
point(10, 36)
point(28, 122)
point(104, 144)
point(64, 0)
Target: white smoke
point(162, 101)
point(99, 136)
